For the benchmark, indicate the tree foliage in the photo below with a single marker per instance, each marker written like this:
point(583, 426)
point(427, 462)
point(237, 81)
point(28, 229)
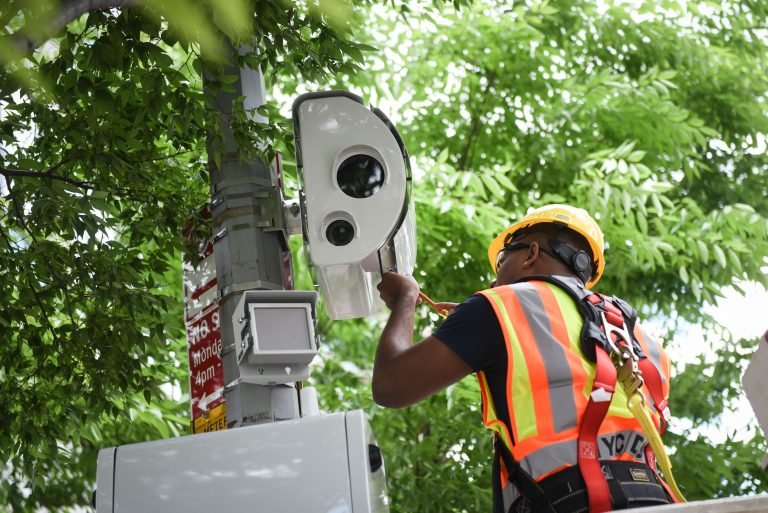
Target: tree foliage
point(104, 159)
point(651, 117)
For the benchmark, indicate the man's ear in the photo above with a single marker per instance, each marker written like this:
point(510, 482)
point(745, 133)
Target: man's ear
point(533, 255)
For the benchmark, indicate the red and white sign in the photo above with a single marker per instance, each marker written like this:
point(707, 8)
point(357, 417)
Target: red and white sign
point(200, 289)
point(206, 374)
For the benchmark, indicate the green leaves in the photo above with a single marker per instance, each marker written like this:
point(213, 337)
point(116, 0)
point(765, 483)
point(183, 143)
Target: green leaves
point(104, 161)
point(651, 125)
point(646, 124)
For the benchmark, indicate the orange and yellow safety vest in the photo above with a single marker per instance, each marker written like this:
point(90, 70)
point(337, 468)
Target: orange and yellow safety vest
point(549, 380)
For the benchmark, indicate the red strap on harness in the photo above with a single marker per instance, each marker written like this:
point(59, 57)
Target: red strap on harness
point(652, 380)
point(603, 387)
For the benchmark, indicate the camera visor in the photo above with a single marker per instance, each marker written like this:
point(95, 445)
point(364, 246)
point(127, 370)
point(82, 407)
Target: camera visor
point(340, 232)
point(360, 176)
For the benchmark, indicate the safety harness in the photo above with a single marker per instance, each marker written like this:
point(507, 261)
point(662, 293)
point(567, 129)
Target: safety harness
point(608, 340)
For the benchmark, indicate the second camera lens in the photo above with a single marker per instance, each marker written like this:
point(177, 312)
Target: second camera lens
point(340, 232)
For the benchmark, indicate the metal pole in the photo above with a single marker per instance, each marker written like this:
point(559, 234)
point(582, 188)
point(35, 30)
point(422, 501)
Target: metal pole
point(250, 246)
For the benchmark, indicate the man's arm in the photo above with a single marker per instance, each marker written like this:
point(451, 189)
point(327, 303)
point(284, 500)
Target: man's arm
point(404, 373)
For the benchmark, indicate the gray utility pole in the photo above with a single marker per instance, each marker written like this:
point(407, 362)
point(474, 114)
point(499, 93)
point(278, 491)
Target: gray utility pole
point(250, 247)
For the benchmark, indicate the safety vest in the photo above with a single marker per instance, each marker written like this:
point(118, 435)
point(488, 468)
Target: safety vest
point(548, 384)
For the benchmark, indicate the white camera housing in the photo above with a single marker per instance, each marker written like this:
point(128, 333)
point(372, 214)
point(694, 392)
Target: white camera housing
point(358, 216)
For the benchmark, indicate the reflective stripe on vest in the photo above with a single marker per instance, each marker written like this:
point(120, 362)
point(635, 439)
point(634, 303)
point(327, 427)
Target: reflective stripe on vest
point(549, 380)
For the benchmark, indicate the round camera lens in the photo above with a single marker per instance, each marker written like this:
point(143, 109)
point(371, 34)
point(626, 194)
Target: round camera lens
point(360, 176)
point(340, 232)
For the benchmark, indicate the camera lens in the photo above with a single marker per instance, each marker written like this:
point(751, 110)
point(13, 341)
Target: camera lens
point(360, 176)
point(340, 232)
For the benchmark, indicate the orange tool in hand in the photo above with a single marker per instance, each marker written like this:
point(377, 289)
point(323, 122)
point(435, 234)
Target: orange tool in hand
point(441, 311)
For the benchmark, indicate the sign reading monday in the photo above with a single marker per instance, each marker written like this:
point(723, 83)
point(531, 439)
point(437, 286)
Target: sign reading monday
point(206, 374)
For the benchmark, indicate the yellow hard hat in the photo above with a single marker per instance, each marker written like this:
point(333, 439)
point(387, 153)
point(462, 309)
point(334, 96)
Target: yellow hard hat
point(577, 219)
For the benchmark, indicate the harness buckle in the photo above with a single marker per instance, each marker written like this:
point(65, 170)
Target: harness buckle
point(610, 330)
point(622, 353)
point(629, 374)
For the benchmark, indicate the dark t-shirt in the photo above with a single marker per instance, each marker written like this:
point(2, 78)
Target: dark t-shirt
point(473, 332)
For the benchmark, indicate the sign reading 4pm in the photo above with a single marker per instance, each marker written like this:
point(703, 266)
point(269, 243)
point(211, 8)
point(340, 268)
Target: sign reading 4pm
point(201, 306)
point(206, 376)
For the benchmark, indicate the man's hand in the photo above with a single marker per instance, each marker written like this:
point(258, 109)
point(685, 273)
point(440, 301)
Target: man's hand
point(404, 373)
point(447, 306)
point(396, 288)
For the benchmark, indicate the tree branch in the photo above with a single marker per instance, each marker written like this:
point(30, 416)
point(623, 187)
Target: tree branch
point(153, 159)
point(36, 295)
point(68, 11)
point(43, 312)
point(474, 128)
point(57, 166)
point(45, 174)
point(471, 135)
point(65, 284)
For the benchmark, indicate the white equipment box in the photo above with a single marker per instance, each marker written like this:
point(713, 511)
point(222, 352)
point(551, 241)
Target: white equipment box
point(322, 464)
point(755, 384)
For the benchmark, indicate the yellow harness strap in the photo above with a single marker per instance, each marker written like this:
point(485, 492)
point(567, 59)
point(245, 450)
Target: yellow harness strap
point(636, 404)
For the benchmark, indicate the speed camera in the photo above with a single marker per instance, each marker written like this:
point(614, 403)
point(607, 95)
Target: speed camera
point(358, 217)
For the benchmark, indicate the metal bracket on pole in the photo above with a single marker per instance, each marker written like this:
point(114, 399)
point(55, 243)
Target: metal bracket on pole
point(292, 209)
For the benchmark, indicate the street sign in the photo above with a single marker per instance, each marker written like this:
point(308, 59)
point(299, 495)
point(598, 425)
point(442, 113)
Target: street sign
point(213, 420)
point(206, 373)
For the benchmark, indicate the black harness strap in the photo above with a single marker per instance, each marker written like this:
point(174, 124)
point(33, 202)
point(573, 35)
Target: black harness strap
point(523, 481)
point(496, 485)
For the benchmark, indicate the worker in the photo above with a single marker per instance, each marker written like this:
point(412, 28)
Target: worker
point(565, 439)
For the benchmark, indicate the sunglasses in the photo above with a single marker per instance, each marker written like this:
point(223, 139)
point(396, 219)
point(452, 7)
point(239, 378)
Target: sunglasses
point(508, 247)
